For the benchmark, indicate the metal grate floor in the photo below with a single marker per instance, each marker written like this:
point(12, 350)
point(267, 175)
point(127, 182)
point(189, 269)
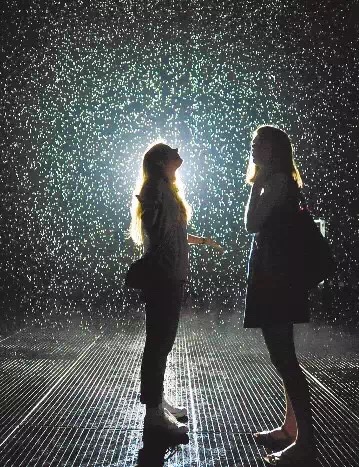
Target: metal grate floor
point(69, 395)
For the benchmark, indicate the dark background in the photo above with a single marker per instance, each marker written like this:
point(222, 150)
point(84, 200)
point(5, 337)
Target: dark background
point(86, 86)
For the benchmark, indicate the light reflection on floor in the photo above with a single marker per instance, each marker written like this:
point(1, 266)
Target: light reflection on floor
point(69, 393)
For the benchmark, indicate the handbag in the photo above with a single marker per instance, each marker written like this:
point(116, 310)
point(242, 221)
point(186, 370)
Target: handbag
point(313, 256)
point(146, 270)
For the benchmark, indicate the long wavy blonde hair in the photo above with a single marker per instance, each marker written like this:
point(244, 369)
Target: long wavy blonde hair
point(282, 150)
point(152, 170)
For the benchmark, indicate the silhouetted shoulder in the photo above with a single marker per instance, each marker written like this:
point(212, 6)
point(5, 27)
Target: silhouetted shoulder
point(274, 194)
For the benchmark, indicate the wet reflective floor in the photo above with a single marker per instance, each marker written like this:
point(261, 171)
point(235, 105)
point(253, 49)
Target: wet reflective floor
point(70, 394)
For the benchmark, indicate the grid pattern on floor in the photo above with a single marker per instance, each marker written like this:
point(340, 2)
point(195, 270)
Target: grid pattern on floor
point(88, 412)
point(32, 362)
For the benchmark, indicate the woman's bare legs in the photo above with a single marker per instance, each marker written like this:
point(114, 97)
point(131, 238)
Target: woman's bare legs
point(289, 425)
point(280, 343)
point(288, 429)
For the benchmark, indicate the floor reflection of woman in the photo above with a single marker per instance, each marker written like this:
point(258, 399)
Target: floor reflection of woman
point(160, 215)
point(274, 301)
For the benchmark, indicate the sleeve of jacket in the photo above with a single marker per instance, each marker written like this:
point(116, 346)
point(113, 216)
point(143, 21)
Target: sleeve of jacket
point(151, 202)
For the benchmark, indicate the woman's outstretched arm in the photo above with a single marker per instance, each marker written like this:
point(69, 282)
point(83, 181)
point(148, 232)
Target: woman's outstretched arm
point(194, 240)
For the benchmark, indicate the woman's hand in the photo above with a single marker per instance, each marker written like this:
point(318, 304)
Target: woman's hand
point(195, 240)
point(211, 242)
point(261, 177)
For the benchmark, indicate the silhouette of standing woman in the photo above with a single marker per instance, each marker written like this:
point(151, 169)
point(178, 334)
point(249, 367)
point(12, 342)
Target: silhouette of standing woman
point(275, 301)
point(160, 215)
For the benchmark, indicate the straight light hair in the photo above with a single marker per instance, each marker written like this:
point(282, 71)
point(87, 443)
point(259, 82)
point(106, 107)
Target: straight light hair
point(151, 170)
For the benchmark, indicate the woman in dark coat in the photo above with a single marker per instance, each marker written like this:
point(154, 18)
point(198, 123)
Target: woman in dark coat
point(160, 215)
point(276, 296)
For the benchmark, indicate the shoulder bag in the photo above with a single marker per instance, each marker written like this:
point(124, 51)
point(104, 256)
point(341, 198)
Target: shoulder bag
point(146, 270)
point(314, 258)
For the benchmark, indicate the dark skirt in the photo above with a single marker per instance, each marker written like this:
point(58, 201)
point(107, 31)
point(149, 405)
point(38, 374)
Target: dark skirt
point(275, 294)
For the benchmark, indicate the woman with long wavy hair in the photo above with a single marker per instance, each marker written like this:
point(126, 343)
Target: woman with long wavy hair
point(160, 215)
point(276, 295)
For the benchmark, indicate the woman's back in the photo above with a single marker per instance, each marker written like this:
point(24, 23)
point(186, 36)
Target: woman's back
point(163, 226)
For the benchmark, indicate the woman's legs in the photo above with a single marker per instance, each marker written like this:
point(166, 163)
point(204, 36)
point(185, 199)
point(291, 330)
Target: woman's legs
point(163, 306)
point(280, 343)
point(289, 424)
point(285, 434)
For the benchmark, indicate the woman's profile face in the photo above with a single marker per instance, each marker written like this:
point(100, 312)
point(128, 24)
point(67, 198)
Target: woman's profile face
point(173, 160)
point(261, 151)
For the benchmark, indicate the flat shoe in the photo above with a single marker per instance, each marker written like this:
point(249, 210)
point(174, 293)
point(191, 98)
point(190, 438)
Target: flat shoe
point(163, 421)
point(178, 412)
